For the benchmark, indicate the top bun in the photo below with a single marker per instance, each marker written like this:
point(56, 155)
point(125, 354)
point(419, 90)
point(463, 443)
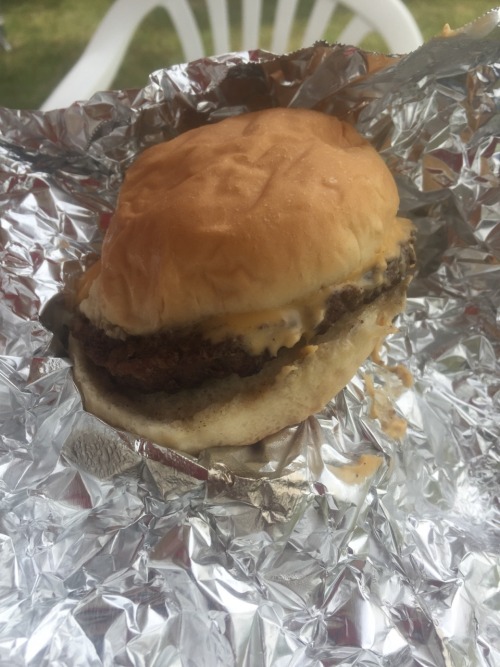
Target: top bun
point(244, 215)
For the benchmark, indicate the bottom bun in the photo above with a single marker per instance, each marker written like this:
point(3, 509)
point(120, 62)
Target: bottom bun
point(240, 411)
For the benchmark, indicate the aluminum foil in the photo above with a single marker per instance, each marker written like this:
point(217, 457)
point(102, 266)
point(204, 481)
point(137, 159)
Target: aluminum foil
point(333, 542)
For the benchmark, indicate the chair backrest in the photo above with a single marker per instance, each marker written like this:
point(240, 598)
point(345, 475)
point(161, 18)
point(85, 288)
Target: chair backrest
point(99, 63)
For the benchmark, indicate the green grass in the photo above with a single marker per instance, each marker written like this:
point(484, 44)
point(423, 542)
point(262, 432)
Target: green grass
point(47, 37)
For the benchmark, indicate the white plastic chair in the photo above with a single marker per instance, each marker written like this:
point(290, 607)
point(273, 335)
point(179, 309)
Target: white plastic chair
point(99, 63)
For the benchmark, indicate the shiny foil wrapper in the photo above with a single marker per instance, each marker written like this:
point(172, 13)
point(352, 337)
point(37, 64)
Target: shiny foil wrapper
point(333, 542)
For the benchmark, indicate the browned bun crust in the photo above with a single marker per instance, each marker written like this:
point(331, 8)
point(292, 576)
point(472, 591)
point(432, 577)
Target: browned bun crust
point(245, 215)
point(240, 411)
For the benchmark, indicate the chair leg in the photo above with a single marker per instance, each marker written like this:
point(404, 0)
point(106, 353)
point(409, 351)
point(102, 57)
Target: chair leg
point(4, 43)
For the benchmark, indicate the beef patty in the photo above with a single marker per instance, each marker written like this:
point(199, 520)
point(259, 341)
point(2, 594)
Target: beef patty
point(175, 360)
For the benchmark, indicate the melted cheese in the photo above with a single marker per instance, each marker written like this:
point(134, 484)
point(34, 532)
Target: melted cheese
point(358, 472)
point(270, 330)
point(396, 379)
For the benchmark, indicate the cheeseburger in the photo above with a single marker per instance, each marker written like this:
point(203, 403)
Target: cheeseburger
point(249, 269)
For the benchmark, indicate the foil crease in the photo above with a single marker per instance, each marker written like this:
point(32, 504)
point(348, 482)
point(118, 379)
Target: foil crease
point(330, 543)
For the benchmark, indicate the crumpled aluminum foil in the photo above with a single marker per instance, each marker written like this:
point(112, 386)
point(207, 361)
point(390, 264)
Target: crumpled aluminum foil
point(331, 543)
